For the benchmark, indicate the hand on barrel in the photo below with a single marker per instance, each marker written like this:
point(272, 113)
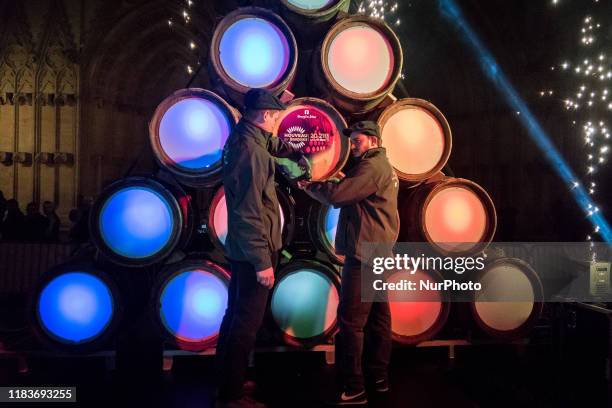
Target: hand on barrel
point(337, 178)
point(305, 166)
point(303, 184)
point(266, 277)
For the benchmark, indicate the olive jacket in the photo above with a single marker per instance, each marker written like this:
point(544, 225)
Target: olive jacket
point(253, 214)
point(367, 198)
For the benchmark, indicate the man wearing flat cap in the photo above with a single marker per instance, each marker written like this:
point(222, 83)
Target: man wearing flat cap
point(367, 198)
point(253, 238)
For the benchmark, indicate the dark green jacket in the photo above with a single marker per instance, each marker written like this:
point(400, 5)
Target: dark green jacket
point(367, 198)
point(253, 215)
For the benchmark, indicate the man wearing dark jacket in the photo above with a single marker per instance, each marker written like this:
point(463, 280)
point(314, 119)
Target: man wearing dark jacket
point(253, 239)
point(367, 198)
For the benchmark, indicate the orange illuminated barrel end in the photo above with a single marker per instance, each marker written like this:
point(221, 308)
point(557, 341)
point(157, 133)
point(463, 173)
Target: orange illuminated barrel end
point(418, 315)
point(455, 215)
point(358, 63)
point(417, 138)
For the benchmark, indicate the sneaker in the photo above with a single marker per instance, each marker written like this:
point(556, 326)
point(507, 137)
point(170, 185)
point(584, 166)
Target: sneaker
point(244, 402)
point(381, 385)
point(347, 399)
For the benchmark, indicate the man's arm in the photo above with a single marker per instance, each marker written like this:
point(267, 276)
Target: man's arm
point(279, 148)
point(351, 189)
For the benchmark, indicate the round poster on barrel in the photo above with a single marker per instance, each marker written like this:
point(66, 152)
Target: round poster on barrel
point(313, 126)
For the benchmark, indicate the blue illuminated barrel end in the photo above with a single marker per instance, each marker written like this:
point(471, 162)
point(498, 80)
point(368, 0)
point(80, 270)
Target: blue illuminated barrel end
point(76, 309)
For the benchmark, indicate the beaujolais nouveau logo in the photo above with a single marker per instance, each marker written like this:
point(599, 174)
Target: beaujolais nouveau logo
point(308, 129)
point(296, 136)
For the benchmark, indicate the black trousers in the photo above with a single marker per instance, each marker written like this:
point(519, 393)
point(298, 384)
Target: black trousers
point(364, 339)
point(247, 300)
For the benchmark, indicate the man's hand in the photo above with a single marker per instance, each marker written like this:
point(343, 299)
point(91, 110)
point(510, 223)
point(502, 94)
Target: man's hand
point(305, 166)
point(266, 277)
point(303, 183)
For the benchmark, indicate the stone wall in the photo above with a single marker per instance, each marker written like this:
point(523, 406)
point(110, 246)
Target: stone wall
point(79, 81)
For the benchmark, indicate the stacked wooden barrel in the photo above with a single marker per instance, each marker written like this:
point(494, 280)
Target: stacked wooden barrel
point(343, 68)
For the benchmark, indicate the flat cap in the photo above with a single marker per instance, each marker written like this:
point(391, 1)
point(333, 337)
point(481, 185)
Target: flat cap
point(367, 127)
point(259, 98)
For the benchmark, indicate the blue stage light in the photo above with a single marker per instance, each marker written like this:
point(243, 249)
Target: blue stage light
point(136, 222)
point(331, 224)
point(192, 305)
point(254, 52)
point(193, 131)
point(75, 307)
point(451, 11)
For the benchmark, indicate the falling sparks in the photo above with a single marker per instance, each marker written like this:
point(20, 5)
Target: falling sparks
point(186, 18)
point(380, 9)
point(586, 97)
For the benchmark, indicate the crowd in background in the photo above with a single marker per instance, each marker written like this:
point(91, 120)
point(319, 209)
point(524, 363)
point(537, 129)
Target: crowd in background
point(34, 226)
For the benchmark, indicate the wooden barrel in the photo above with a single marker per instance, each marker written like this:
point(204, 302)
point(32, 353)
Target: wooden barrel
point(311, 19)
point(417, 137)
point(323, 222)
point(138, 221)
point(76, 307)
point(252, 48)
point(510, 301)
point(456, 216)
point(417, 316)
point(358, 64)
point(216, 224)
point(304, 302)
point(187, 133)
point(315, 127)
point(190, 301)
